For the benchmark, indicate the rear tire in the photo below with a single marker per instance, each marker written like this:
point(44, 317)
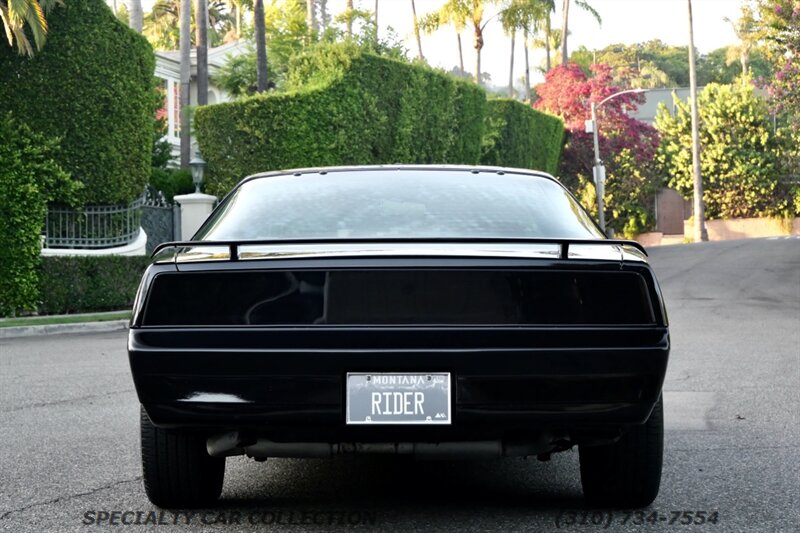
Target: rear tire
point(627, 473)
point(176, 468)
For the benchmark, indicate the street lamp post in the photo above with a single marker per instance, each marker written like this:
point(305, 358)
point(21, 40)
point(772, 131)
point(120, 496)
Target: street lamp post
point(198, 167)
point(598, 169)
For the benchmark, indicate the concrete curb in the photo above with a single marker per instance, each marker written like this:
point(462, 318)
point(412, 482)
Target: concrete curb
point(59, 329)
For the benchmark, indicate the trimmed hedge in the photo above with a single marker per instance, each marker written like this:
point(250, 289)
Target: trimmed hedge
point(81, 284)
point(29, 178)
point(348, 107)
point(520, 136)
point(92, 86)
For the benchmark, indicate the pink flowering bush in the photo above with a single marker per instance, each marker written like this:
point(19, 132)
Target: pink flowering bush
point(627, 145)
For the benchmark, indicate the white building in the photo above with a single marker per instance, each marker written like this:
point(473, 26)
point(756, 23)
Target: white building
point(168, 69)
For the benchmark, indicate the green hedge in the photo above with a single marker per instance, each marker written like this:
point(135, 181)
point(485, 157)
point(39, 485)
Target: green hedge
point(29, 178)
point(81, 284)
point(348, 107)
point(520, 136)
point(92, 86)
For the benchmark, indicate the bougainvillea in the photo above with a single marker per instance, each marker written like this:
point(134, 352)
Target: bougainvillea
point(780, 25)
point(627, 145)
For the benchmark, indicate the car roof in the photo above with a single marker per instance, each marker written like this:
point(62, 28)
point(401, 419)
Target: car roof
point(474, 169)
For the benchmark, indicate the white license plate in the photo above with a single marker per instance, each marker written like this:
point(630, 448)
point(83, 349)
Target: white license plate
point(398, 398)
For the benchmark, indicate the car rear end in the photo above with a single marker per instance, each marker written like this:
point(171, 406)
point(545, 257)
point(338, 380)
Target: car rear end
point(478, 315)
point(283, 345)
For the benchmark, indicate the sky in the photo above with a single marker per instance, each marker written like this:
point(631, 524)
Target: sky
point(624, 21)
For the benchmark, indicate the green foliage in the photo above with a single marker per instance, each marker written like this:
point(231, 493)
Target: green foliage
point(92, 87)
point(172, 182)
point(29, 178)
point(654, 64)
point(22, 20)
point(163, 29)
point(738, 159)
point(520, 136)
point(79, 284)
point(719, 66)
point(351, 107)
point(631, 188)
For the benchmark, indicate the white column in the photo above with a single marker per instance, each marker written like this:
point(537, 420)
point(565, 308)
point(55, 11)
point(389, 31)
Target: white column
point(195, 208)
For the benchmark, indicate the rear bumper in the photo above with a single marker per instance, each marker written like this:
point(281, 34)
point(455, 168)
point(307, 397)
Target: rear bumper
point(288, 384)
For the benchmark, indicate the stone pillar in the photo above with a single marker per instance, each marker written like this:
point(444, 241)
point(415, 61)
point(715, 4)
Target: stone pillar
point(195, 208)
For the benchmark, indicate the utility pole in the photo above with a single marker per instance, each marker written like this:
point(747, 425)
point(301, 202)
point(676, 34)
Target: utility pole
point(700, 233)
point(599, 169)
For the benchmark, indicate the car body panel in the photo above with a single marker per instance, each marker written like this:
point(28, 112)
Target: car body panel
point(545, 380)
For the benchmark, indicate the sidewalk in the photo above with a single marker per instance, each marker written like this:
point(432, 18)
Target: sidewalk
point(31, 326)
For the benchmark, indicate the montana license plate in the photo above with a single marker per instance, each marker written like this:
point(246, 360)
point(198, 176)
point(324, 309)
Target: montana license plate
point(398, 398)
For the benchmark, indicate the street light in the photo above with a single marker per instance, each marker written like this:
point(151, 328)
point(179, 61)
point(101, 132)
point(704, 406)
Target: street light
point(198, 166)
point(599, 170)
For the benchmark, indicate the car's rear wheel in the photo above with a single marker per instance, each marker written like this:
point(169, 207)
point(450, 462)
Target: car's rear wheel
point(177, 470)
point(627, 473)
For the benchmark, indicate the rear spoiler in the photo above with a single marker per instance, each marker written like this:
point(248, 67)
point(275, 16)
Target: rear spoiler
point(233, 246)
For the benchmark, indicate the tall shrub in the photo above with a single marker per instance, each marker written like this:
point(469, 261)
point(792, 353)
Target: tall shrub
point(29, 178)
point(96, 283)
point(521, 136)
point(738, 160)
point(91, 85)
point(345, 106)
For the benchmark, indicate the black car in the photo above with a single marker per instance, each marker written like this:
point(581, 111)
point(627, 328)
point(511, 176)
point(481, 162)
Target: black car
point(439, 311)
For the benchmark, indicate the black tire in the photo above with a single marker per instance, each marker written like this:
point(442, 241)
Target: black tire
point(176, 468)
point(627, 473)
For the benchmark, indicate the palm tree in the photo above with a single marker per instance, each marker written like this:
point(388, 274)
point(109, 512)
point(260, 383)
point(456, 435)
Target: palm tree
point(583, 4)
point(478, 25)
point(525, 15)
point(201, 38)
point(235, 8)
point(311, 18)
point(349, 11)
point(458, 12)
point(261, 47)
point(509, 19)
point(185, 80)
point(747, 32)
point(136, 15)
point(17, 15)
point(416, 30)
point(162, 24)
point(550, 40)
point(324, 16)
point(450, 13)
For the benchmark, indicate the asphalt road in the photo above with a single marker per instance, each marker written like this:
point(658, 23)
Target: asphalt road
point(69, 434)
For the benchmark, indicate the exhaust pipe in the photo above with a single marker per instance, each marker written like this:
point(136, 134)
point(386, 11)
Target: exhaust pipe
point(232, 443)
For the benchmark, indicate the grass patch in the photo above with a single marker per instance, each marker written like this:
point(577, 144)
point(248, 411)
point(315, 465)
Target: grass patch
point(63, 319)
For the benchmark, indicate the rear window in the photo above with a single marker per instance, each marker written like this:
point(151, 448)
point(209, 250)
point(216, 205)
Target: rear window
point(399, 203)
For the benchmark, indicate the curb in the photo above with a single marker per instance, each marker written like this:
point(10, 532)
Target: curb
point(59, 329)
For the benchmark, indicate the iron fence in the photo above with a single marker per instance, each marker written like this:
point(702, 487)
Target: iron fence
point(94, 226)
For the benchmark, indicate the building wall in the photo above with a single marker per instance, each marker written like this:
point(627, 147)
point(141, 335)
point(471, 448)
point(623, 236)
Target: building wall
point(168, 70)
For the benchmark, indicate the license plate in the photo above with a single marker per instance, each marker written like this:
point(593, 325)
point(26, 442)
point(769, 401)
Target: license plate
point(398, 398)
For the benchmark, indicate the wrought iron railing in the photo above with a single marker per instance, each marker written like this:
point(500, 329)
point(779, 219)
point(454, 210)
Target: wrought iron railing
point(94, 226)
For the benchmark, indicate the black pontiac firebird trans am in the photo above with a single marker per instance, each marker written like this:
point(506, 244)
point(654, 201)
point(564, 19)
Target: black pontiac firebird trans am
point(438, 311)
